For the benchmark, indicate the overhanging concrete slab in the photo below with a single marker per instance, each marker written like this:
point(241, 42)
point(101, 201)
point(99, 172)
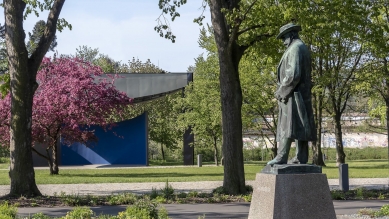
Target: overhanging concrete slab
point(144, 87)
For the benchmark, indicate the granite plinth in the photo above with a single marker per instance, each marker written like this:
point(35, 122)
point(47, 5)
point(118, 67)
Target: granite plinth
point(291, 169)
point(291, 196)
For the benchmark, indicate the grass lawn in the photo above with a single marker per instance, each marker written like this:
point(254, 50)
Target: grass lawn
point(357, 169)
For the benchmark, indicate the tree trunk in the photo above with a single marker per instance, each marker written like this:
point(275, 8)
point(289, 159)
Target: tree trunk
point(55, 159)
point(216, 152)
point(162, 152)
point(23, 72)
point(340, 155)
point(387, 101)
point(49, 160)
point(21, 168)
point(229, 54)
point(317, 157)
point(387, 115)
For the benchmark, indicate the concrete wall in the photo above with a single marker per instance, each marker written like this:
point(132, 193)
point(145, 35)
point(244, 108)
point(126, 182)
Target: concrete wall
point(125, 144)
point(350, 140)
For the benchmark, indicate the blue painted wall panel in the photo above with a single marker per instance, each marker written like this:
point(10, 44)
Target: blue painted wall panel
point(128, 146)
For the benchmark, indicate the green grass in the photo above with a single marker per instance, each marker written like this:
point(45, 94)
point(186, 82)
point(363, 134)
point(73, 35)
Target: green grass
point(357, 169)
point(360, 169)
point(4, 162)
point(4, 166)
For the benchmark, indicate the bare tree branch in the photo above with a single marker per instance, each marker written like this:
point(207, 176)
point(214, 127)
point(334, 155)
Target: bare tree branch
point(47, 37)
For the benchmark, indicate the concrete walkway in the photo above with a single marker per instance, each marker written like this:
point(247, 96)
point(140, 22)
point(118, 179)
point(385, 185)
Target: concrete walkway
point(343, 209)
point(202, 186)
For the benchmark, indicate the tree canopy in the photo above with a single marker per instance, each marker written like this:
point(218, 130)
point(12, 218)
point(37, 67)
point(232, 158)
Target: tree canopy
point(67, 102)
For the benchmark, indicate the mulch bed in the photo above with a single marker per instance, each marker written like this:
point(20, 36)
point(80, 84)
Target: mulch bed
point(74, 200)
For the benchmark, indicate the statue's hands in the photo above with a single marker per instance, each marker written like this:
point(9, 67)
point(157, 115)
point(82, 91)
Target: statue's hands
point(281, 99)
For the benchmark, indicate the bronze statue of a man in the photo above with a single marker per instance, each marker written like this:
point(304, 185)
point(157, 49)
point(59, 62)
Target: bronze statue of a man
point(295, 119)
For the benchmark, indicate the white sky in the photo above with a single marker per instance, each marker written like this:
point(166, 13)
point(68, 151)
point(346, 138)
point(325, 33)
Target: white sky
point(123, 29)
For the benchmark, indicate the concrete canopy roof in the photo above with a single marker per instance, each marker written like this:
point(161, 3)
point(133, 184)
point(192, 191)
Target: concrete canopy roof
point(144, 87)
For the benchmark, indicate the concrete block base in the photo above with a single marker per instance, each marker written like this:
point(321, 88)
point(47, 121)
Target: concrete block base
point(291, 196)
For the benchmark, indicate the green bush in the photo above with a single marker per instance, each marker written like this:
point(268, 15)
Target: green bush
point(73, 200)
point(358, 153)
point(7, 211)
point(122, 199)
point(79, 213)
point(207, 154)
point(182, 195)
point(167, 192)
point(193, 194)
point(256, 154)
point(219, 190)
point(384, 211)
point(144, 209)
point(4, 154)
point(337, 195)
point(40, 216)
point(222, 190)
point(106, 216)
point(367, 153)
point(154, 193)
point(249, 189)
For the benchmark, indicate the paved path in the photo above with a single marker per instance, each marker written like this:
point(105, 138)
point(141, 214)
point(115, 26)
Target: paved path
point(202, 186)
point(230, 210)
point(186, 211)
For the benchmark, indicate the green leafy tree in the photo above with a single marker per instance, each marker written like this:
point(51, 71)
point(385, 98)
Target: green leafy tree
point(87, 53)
point(260, 108)
point(336, 39)
point(237, 27)
point(23, 69)
point(374, 79)
point(137, 66)
point(35, 36)
point(201, 105)
point(4, 76)
point(163, 123)
point(107, 64)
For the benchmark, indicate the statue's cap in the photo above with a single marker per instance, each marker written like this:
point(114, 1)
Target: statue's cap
point(287, 28)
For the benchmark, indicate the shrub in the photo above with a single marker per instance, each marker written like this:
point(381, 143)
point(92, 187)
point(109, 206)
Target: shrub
point(154, 193)
point(79, 213)
point(249, 189)
point(7, 211)
point(247, 198)
point(366, 211)
point(219, 190)
point(193, 194)
point(106, 216)
point(384, 211)
point(73, 200)
point(168, 191)
point(40, 216)
point(122, 199)
point(182, 195)
point(144, 209)
point(337, 195)
point(222, 190)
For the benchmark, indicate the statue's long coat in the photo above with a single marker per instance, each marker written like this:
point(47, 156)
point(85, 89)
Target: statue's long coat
point(295, 118)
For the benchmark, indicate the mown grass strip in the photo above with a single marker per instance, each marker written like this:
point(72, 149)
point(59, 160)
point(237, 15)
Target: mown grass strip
point(357, 169)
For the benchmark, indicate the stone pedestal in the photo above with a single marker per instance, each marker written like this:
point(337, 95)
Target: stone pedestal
point(281, 193)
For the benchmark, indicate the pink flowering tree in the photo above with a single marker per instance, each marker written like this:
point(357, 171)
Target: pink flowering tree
point(70, 98)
